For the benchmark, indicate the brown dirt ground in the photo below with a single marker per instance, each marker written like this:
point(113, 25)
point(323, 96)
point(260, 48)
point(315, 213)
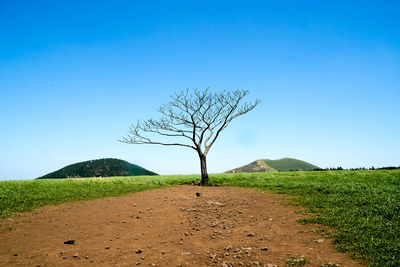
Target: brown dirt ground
point(224, 226)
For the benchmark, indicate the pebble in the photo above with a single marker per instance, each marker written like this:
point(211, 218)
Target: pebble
point(69, 242)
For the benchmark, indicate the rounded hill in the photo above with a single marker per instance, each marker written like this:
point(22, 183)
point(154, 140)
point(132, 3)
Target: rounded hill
point(280, 165)
point(99, 168)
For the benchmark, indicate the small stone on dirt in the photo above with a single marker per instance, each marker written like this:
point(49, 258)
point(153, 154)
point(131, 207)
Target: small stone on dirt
point(264, 248)
point(198, 194)
point(107, 247)
point(138, 251)
point(76, 255)
point(226, 264)
point(210, 202)
point(69, 242)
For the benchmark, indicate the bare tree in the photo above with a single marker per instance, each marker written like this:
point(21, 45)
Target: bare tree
point(192, 119)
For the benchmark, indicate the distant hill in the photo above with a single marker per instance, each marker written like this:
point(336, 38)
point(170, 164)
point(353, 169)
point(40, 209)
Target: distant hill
point(281, 165)
point(99, 167)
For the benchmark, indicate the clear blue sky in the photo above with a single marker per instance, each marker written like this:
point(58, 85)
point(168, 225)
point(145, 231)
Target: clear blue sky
point(75, 74)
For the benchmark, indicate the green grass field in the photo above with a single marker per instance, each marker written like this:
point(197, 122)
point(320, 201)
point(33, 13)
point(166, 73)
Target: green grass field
point(363, 206)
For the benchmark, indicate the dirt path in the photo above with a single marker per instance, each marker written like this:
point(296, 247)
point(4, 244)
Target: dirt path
point(167, 227)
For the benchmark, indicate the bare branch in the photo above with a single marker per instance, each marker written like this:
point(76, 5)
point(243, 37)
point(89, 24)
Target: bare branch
point(197, 116)
point(233, 102)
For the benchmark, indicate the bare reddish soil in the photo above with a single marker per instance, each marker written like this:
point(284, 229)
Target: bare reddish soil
point(224, 226)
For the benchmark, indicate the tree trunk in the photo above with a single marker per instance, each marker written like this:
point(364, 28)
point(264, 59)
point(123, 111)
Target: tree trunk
point(203, 167)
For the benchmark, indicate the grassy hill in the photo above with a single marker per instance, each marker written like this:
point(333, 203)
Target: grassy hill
point(99, 167)
point(289, 164)
point(281, 165)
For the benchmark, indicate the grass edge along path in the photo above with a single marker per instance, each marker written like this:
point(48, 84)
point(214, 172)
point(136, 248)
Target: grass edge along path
point(362, 206)
point(27, 195)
